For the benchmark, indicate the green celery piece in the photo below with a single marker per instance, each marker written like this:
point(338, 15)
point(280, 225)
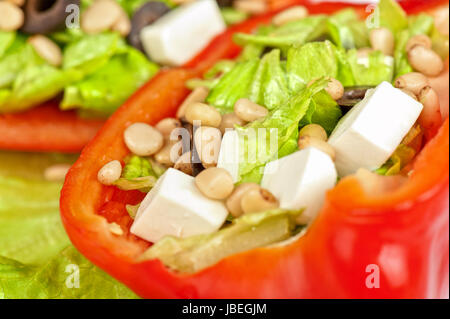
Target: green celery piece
point(392, 16)
point(269, 87)
point(377, 71)
point(111, 85)
point(6, 40)
point(250, 231)
point(233, 86)
point(92, 52)
point(311, 61)
point(285, 119)
point(57, 279)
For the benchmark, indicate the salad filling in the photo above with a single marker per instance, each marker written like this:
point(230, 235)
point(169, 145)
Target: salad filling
point(91, 56)
point(261, 139)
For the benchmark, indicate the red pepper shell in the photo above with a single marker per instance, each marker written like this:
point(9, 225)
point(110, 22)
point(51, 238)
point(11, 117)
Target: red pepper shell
point(400, 238)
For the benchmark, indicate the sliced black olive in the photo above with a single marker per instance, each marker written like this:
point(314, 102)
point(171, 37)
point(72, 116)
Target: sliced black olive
point(353, 95)
point(46, 16)
point(196, 163)
point(145, 15)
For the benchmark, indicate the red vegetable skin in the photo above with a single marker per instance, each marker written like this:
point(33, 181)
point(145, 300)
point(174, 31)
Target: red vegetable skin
point(402, 236)
point(45, 129)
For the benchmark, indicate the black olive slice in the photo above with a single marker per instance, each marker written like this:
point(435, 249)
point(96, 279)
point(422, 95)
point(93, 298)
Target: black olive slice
point(144, 16)
point(196, 163)
point(225, 3)
point(46, 16)
point(353, 95)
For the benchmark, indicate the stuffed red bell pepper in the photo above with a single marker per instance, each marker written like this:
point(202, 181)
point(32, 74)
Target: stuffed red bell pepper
point(303, 154)
point(87, 58)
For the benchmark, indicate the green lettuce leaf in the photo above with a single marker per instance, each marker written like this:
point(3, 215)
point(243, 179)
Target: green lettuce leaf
point(372, 74)
point(250, 231)
point(279, 126)
point(35, 252)
point(392, 16)
point(347, 31)
point(107, 88)
point(6, 39)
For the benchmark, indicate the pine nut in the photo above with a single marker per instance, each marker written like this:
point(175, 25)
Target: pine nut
point(307, 141)
point(413, 82)
point(115, 229)
point(183, 163)
point(169, 154)
point(215, 183)
point(198, 95)
point(258, 200)
point(425, 60)
point(382, 39)
point(431, 113)
point(420, 39)
point(335, 89)
point(250, 6)
point(110, 173)
point(167, 125)
point(229, 121)
point(11, 16)
point(56, 173)
point(248, 111)
point(123, 24)
point(206, 114)
point(314, 131)
point(207, 143)
point(100, 16)
point(233, 202)
point(291, 14)
point(47, 49)
point(143, 139)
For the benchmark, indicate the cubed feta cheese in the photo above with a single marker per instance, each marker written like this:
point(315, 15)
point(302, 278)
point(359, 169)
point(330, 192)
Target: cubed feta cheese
point(371, 131)
point(179, 35)
point(300, 180)
point(176, 207)
point(229, 154)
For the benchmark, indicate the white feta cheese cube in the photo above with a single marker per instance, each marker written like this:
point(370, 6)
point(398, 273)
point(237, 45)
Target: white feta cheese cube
point(371, 131)
point(176, 207)
point(181, 34)
point(229, 154)
point(301, 180)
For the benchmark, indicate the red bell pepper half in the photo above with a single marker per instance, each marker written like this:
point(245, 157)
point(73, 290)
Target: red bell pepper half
point(362, 245)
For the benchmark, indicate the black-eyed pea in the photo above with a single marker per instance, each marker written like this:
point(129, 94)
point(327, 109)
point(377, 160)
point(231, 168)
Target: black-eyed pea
point(47, 49)
point(250, 6)
point(258, 200)
point(169, 154)
point(411, 94)
point(197, 95)
point(233, 202)
point(11, 16)
point(167, 126)
point(335, 89)
point(441, 20)
point(413, 81)
point(315, 131)
point(123, 24)
point(207, 142)
point(248, 111)
point(425, 60)
point(307, 141)
point(18, 3)
point(382, 39)
point(56, 173)
point(205, 114)
point(110, 173)
point(291, 14)
point(229, 121)
point(143, 139)
point(215, 183)
point(364, 52)
point(431, 113)
point(420, 39)
point(100, 16)
point(183, 163)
